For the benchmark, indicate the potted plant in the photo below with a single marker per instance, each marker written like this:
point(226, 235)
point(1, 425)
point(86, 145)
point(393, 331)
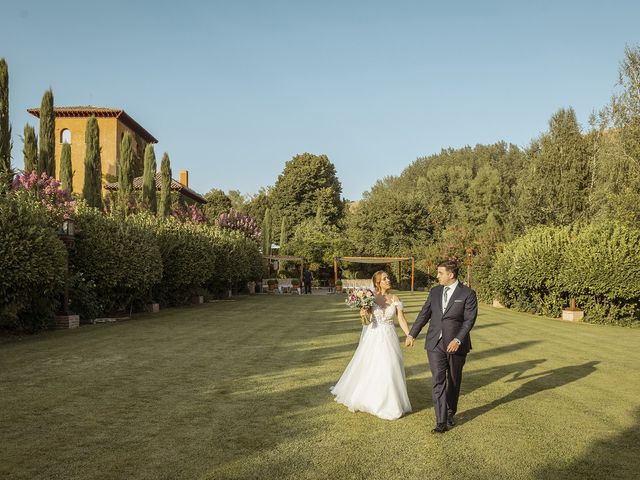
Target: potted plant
point(339, 286)
point(272, 283)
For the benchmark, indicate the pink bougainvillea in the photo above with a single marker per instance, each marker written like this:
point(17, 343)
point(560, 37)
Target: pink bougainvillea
point(245, 224)
point(47, 190)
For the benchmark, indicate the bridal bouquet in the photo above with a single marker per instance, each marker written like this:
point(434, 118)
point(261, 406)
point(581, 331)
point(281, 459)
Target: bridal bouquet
point(361, 298)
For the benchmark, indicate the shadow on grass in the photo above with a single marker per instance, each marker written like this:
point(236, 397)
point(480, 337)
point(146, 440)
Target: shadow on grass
point(420, 390)
point(543, 381)
point(611, 458)
point(487, 325)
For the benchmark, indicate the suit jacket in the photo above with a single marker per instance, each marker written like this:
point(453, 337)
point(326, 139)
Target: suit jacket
point(456, 321)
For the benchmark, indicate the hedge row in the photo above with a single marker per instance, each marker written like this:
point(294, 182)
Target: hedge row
point(118, 263)
point(598, 264)
point(33, 262)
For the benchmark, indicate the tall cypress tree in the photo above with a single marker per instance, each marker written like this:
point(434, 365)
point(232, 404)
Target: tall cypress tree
point(125, 172)
point(46, 157)
point(6, 173)
point(283, 240)
point(149, 196)
point(165, 186)
point(266, 233)
point(66, 172)
point(30, 149)
point(92, 190)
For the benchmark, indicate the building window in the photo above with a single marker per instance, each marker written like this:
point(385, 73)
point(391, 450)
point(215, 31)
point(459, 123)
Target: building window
point(65, 136)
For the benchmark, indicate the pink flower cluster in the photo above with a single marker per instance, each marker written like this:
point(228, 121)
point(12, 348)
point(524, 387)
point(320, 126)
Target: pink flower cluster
point(245, 224)
point(47, 190)
point(189, 213)
point(360, 298)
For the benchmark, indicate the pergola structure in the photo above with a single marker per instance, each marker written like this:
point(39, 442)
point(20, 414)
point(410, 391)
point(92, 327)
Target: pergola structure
point(378, 260)
point(287, 258)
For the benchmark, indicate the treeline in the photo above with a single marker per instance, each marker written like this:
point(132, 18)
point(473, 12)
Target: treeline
point(469, 203)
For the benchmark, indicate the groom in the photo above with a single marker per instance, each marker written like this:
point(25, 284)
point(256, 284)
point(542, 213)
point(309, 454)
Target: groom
point(452, 308)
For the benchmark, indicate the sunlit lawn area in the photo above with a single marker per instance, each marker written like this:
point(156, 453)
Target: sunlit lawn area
point(240, 389)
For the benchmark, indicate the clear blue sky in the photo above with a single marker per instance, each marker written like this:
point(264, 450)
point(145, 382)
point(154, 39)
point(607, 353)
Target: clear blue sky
point(233, 89)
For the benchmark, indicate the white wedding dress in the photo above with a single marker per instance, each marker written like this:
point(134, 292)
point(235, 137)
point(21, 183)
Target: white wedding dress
point(374, 381)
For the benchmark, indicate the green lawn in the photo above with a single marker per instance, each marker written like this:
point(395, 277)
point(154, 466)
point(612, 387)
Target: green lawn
point(240, 389)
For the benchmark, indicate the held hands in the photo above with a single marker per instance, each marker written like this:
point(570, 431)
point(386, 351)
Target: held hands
point(409, 341)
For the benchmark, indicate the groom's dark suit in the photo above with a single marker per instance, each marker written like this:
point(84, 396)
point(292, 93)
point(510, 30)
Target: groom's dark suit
point(455, 322)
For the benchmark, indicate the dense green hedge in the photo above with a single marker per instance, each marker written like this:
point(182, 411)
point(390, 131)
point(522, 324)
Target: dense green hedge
point(32, 262)
point(201, 257)
point(602, 270)
point(188, 256)
point(116, 262)
point(598, 264)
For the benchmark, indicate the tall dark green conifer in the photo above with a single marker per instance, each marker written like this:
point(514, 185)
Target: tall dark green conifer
point(92, 190)
point(165, 186)
point(125, 172)
point(283, 241)
point(266, 232)
point(6, 174)
point(66, 172)
point(46, 157)
point(30, 149)
point(149, 194)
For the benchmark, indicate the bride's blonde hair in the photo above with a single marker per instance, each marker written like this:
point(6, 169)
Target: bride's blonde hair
point(376, 279)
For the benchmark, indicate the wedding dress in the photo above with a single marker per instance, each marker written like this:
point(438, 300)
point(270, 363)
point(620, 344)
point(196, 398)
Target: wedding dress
point(374, 381)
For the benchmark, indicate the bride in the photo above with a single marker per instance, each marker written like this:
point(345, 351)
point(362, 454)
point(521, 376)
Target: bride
point(374, 381)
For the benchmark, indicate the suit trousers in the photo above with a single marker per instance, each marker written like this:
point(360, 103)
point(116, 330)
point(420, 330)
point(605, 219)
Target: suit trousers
point(446, 376)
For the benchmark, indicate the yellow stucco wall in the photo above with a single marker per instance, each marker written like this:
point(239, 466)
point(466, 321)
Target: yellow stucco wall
point(111, 132)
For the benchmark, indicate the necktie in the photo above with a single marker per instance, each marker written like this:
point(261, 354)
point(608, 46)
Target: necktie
point(445, 298)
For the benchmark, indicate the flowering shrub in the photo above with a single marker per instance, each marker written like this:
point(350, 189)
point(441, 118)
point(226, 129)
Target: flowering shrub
point(188, 213)
point(245, 224)
point(46, 190)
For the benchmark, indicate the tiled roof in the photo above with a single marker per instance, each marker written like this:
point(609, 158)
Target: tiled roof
point(89, 110)
point(175, 186)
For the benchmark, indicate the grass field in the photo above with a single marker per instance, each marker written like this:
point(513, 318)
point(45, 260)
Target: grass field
point(239, 389)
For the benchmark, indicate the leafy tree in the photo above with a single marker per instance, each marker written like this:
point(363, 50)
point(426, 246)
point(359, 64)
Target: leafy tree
point(66, 171)
point(149, 192)
point(552, 189)
point(217, 203)
point(6, 173)
point(308, 181)
point(125, 171)
point(257, 204)
point(46, 157)
point(615, 159)
point(30, 149)
point(92, 189)
point(165, 186)
point(238, 201)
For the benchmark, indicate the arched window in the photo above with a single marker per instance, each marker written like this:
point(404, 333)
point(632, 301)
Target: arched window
point(65, 136)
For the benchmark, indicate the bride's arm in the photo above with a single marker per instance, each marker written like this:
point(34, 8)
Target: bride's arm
point(401, 320)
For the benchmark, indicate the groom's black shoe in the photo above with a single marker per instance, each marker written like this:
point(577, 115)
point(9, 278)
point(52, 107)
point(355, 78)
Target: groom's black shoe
point(451, 422)
point(439, 428)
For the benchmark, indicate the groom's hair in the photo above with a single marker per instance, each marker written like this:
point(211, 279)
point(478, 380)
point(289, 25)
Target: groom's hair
point(450, 265)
